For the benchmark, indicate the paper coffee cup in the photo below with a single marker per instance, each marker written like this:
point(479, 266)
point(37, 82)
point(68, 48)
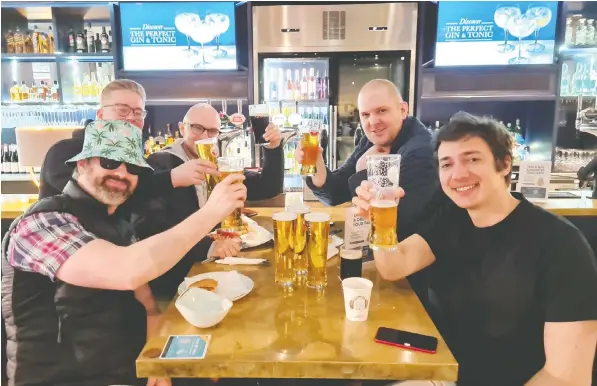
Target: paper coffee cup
point(357, 297)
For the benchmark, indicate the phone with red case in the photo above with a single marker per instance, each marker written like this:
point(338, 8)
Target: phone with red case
point(407, 340)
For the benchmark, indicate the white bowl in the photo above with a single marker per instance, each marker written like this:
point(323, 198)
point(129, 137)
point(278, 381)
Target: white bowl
point(202, 308)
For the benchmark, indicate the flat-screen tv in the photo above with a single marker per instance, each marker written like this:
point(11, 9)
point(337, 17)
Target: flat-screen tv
point(161, 36)
point(476, 33)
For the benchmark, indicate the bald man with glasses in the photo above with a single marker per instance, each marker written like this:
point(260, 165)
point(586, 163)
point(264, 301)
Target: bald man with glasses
point(202, 121)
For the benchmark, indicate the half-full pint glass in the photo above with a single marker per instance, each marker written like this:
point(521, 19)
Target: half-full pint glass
point(383, 171)
point(227, 166)
point(310, 146)
point(207, 149)
point(318, 228)
point(300, 240)
point(284, 232)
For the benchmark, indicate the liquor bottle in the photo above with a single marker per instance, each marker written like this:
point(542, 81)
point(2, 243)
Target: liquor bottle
point(14, 159)
point(105, 42)
point(148, 147)
point(577, 80)
point(10, 42)
point(565, 84)
point(24, 92)
point(325, 86)
point(160, 141)
point(19, 41)
point(289, 89)
point(77, 90)
point(273, 86)
point(72, 42)
point(33, 92)
point(318, 86)
point(93, 88)
point(5, 159)
point(85, 88)
point(41, 92)
point(15, 92)
point(97, 43)
point(568, 38)
point(581, 32)
point(304, 85)
point(84, 40)
point(51, 45)
point(80, 40)
point(169, 137)
point(311, 85)
point(35, 40)
point(297, 85)
point(90, 40)
point(109, 40)
point(55, 92)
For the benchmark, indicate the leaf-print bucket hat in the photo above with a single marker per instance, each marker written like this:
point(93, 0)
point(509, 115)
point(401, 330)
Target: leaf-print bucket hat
point(115, 140)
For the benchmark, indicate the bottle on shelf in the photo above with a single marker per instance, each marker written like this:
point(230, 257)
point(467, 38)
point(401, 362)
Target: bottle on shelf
point(5, 159)
point(51, 45)
point(24, 92)
point(105, 40)
point(90, 40)
point(97, 43)
point(93, 88)
point(311, 84)
point(109, 40)
point(325, 86)
point(77, 90)
point(568, 36)
point(590, 32)
point(304, 85)
point(14, 159)
point(297, 85)
point(85, 88)
point(36, 41)
point(169, 137)
point(15, 92)
point(318, 85)
point(581, 32)
point(565, 84)
point(33, 92)
point(160, 141)
point(19, 41)
point(72, 40)
point(10, 42)
point(289, 89)
point(55, 92)
point(273, 86)
point(80, 42)
point(576, 86)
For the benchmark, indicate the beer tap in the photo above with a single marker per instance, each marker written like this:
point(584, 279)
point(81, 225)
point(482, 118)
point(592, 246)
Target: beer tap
point(227, 135)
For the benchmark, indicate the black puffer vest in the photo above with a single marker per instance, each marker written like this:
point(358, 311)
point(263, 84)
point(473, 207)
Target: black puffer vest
point(60, 334)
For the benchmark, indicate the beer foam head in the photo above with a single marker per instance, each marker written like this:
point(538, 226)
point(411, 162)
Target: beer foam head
point(284, 216)
point(299, 208)
point(351, 254)
point(383, 203)
point(317, 217)
point(229, 169)
point(206, 141)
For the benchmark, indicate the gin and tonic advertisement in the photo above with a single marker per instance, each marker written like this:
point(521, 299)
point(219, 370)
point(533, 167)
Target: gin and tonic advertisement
point(178, 36)
point(495, 33)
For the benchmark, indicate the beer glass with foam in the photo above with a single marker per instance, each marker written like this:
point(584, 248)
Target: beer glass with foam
point(259, 119)
point(383, 171)
point(318, 229)
point(310, 146)
point(227, 166)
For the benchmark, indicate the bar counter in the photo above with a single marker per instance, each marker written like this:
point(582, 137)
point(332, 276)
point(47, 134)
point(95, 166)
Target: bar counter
point(272, 334)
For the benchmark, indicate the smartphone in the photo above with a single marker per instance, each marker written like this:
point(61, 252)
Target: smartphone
point(407, 340)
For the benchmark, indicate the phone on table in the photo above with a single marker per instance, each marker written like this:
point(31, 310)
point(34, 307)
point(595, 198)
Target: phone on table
point(407, 340)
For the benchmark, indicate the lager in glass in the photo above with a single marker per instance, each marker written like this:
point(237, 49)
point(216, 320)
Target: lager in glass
point(227, 166)
point(318, 229)
point(384, 215)
point(207, 149)
point(310, 147)
point(300, 240)
point(383, 171)
point(284, 228)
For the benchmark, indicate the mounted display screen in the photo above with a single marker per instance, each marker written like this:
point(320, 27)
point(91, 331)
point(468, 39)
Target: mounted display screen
point(178, 36)
point(495, 33)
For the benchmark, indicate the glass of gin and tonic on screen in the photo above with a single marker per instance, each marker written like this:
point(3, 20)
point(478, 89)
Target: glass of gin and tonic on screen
point(502, 15)
point(383, 171)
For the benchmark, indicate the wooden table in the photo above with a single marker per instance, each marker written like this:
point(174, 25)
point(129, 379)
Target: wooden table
point(270, 334)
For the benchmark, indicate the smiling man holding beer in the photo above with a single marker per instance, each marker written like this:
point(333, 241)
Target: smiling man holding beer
point(517, 285)
point(202, 123)
point(388, 130)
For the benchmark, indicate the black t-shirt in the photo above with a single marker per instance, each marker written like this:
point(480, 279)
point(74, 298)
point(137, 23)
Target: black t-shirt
point(497, 286)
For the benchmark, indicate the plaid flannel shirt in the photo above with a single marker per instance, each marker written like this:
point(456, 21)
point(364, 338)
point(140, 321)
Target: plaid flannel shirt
point(42, 242)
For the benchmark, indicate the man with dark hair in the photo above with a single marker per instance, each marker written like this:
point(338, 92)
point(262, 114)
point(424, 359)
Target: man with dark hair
point(517, 285)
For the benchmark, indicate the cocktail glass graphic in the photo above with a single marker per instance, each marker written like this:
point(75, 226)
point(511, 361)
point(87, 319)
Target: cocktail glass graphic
point(502, 15)
point(521, 26)
point(542, 16)
point(202, 32)
point(184, 23)
point(220, 23)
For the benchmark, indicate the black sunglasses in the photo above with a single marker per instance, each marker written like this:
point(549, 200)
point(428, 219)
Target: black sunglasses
point(110, 164)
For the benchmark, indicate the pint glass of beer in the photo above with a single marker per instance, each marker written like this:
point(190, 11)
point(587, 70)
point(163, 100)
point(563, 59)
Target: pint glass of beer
point(384, 172)
point(318, 229)
point(259, 119)
point(284, 232)
point(310, 146)
point(227, 166)
point(207, 149)
point(300, 239)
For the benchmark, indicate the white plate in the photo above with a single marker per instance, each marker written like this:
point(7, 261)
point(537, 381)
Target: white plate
point(232, 294)
point(256, 236)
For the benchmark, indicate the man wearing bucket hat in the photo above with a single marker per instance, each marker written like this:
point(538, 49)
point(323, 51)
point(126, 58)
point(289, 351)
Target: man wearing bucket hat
point(74, 292)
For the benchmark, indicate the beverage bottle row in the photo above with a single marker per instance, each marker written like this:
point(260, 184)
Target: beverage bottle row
point(157, 143)
point(89, 88)
point(38, 92)
point(86, 42)
point(10, 160)
point(305, 84)
point(580, 31)
point(306, 112)
point(582, 81)
point(34, 41)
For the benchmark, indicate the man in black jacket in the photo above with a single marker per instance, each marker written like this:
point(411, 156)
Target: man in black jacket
point(125, 100)
point(388, 130)
point(202, 121)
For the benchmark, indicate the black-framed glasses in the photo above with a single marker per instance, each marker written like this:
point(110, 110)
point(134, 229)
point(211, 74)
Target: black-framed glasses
point(198, 129)
point(110, 164)
point(124, 110)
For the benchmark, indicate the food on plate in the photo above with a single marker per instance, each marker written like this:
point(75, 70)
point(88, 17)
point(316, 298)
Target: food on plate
point(206, 284)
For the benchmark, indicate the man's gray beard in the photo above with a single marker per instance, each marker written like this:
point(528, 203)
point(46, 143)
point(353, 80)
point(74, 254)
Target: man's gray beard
point(110, 197)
